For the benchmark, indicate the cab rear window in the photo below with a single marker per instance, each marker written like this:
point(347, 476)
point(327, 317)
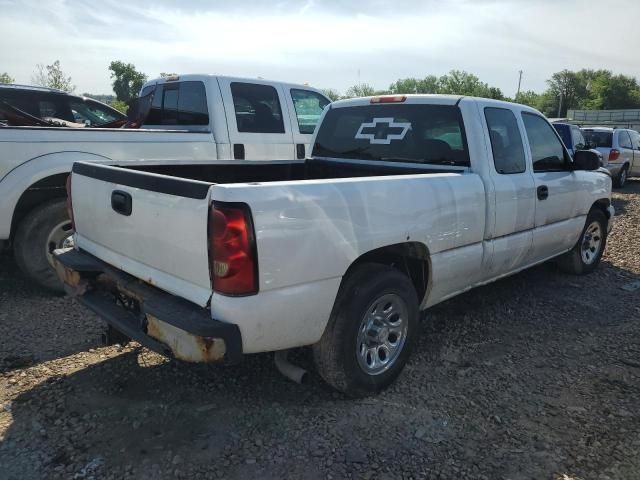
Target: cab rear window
point(432, 134)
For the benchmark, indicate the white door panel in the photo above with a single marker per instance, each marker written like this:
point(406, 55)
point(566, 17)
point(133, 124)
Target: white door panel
point(257, 130)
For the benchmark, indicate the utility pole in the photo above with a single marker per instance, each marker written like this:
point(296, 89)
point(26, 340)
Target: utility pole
point(560, 105)
point(519, 82)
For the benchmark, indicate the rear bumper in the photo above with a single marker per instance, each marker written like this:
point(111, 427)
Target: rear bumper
point(158, 320)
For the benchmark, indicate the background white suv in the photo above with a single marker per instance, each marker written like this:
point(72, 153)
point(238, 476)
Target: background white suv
point(620, 148)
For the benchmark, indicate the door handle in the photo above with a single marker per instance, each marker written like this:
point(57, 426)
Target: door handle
point(238, 151)
point(121, 202)
point(300, 151)
point(543, 192)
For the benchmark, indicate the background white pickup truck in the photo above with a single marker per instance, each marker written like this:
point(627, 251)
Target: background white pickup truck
point(212, 118)
point(405, 201)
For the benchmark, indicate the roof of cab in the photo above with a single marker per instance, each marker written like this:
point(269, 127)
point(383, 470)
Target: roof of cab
point(205, 76)
point(430, 99)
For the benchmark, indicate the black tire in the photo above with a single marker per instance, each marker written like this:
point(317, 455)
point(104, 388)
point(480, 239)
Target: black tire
point(621, 179)
point(30, 243)
point(573, 261)
point(336, 354)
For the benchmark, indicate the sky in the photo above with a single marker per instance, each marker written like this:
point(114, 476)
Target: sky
point(328, 44)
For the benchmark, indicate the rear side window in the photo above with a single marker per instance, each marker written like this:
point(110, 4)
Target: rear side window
point(547, 151)
point(432, 134)
point(506, 141)
point(598, 139)
point(309, 106)
point(623, 139)
point(180, 103)
point(257, 108)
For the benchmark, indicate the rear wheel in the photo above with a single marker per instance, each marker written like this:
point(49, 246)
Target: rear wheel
point(44, 229)
point(621, 179)
point(371, 331)
point(585, 256)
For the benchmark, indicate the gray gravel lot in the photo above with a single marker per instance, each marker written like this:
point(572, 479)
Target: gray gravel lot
point(536, 376)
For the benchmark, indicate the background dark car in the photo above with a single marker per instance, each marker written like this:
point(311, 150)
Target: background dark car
point(57, 106)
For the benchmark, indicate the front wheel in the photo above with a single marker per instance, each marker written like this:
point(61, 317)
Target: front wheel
point(585, 256)
point(44, 229)
point(371, 331)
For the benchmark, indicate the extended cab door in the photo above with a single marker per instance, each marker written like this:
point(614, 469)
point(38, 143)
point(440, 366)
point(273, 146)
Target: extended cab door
point(557, 226)
point(258, 120)
point(513, 190)
point(306, 107)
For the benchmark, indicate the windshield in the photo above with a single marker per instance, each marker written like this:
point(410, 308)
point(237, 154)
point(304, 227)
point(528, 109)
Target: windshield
point(598, 139)
point(431, 134)
point(565, 133)
point(92, 113)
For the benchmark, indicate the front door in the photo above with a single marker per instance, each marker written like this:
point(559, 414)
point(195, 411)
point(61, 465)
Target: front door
point(557, 226)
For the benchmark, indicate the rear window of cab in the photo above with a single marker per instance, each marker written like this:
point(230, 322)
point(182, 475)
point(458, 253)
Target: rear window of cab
point(416, 133)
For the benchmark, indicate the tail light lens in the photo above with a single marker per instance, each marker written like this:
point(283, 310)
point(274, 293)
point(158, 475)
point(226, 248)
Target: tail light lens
point(233, 262)
point(69, 201)
point(614, 154)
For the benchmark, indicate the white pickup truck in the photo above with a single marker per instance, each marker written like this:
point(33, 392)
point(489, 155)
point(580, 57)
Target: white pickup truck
point(404, 202)
point(211, 119)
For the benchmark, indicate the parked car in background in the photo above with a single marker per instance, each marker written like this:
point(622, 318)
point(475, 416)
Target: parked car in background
point(405, 201)
point(574, 140)
point(57, 108)
point(620, 147)
point(193, 120)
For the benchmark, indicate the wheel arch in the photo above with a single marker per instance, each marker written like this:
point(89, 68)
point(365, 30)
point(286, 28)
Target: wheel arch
point(411, 258)
point(45, 176)
point(603, 205)
point(44, 190)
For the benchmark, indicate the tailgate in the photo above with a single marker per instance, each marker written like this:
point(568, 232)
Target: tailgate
point(151, 226)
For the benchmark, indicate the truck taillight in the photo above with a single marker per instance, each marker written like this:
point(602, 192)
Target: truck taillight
point(69, 201)
point(233, 262)
point(614, 154)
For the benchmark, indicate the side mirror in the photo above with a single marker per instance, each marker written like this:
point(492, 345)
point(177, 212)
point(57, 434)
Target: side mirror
point(585, 160)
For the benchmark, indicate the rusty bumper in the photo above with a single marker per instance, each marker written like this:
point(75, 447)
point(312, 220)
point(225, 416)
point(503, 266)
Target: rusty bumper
point(158, 320)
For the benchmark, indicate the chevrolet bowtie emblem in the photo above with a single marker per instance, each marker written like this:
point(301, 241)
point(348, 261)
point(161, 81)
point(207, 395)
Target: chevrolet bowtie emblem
point(379, 130)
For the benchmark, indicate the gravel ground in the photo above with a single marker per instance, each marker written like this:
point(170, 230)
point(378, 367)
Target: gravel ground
point(536, 376)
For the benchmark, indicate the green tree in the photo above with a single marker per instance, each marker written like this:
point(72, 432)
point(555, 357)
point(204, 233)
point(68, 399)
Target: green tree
point(613, 92)
point(127, 81)
point(52, 76)
point(429, 84)
point(332, 94)
point(528, 97)
point(362, 90)
point(6, 78)
point(569, 89)
point(459, 82)
point(119, 105)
